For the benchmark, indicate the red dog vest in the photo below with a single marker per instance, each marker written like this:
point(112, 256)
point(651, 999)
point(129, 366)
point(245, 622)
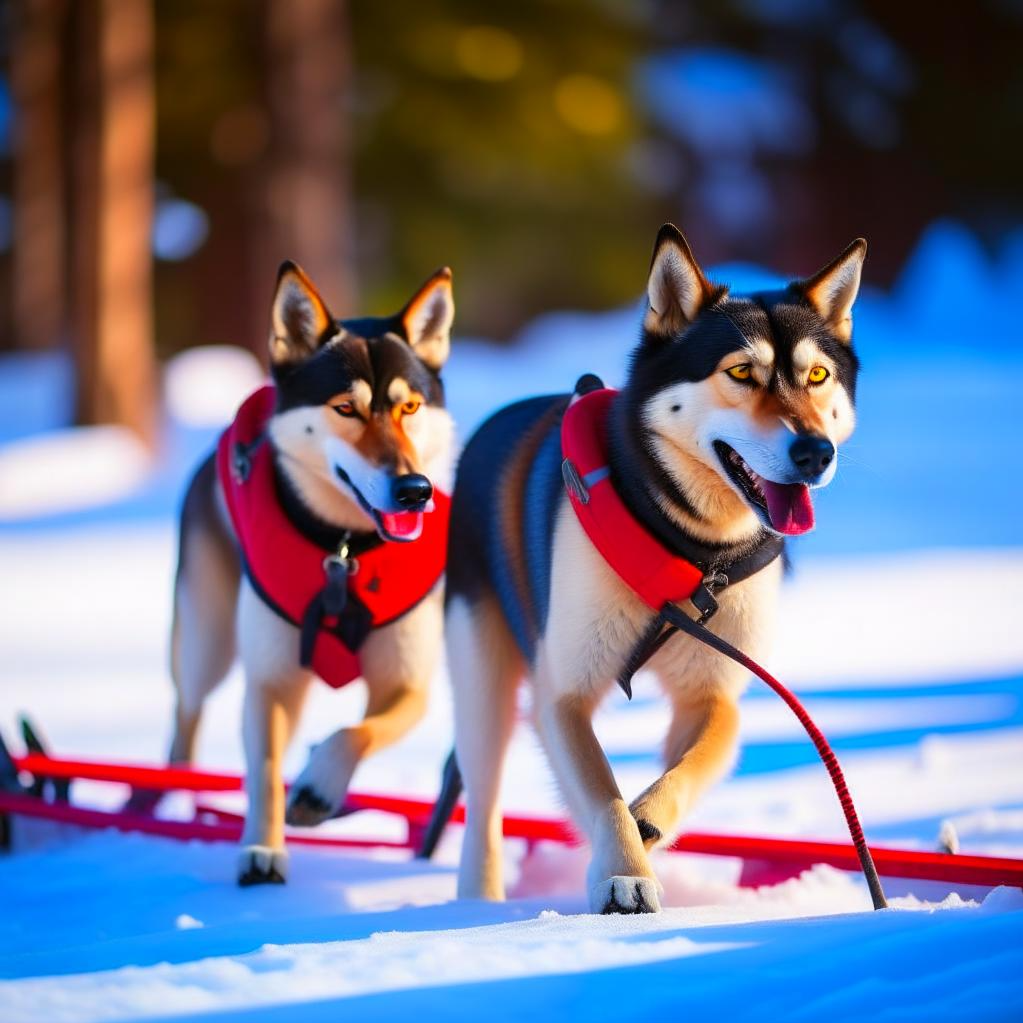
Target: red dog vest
point(643, 562)
point(287, 569)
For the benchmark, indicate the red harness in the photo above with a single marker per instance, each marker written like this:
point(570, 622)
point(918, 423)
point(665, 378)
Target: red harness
point(289, 571)
point(637, 557)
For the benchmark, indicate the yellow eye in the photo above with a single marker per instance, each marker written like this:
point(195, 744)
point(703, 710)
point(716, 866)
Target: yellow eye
point(818, 375)
point(741, 373)
point(345, 408)
point(410, 407)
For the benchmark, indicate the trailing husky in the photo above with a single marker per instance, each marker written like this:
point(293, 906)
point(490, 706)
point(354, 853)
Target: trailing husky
point(313, 542)
point(566, 508)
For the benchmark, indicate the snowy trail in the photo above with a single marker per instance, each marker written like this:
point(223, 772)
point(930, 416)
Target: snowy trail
point(333, 942)
point(111, 927)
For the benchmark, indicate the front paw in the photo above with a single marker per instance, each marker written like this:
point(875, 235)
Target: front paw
point(651, 812)
point(620, 894)
point(306, 807)
point(319, 791)
point(648, 832)
point(259, 864)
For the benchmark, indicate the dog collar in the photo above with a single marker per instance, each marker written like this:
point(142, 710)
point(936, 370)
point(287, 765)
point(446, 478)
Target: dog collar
point(656, 574)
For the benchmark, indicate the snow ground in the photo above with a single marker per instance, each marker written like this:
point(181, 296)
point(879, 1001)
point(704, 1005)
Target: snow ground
point(900, 628)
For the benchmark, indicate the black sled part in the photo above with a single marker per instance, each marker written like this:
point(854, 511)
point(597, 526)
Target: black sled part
point(9, 782)
point(60, 788)
point(450, 789)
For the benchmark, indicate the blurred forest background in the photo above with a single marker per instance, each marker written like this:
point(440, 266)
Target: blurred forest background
point(159, 158)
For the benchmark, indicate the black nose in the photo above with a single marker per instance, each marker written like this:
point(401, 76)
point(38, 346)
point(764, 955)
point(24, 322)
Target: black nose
point(412, 491)
point(811, 454)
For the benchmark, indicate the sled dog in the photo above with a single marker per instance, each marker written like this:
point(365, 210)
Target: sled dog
point(732, 413)
point(313, 543)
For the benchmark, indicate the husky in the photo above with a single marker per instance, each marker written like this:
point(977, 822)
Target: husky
point(733, 411)
point(335, 475)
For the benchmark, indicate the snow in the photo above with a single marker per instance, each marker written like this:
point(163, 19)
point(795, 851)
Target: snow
point(70, 469)
point(899, 628)
point(204, 386)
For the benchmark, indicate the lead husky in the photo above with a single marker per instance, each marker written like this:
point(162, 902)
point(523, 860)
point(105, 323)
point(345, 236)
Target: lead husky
point(733, 410)
point(354, 439)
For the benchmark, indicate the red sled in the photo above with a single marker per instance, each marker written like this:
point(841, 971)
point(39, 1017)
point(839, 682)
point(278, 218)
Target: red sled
point(764, 860)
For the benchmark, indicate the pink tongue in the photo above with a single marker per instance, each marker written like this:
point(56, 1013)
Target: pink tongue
point(403, 525)
point(789, 507)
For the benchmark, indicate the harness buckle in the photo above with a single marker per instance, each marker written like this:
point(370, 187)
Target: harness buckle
point(241, 462)
point(338, 568)
point(341, 559)
point(574, 482)
point(704, 597)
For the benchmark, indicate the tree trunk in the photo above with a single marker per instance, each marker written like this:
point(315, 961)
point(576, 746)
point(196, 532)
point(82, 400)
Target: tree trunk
point(112, 215)
point(307, 182)
point(38, 267)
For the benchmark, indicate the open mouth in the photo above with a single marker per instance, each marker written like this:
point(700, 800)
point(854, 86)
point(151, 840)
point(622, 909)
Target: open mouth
point(395, 526)
point(401, 527)
point(785, 507)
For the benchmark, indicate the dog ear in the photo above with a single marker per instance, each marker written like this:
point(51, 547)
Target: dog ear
point(676, 289)
point(427, 319)
point(833, 290)
point(299, 319)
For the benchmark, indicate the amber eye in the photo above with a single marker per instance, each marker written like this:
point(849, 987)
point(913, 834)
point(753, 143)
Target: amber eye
point(741, 373)
point(345, 408)
point(410, 407)
point(818, 375)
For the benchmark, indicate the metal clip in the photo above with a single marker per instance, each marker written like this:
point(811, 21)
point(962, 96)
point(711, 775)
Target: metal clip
point(241, 462)
point(340, 559)
point(715, 581)
point(705, 602)
point(704, 599)
point(574, 482)
point(337, 568)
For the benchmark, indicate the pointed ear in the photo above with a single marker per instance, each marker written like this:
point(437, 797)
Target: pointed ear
point(833, 290)
point(428, 317)
point(676, 289)
point(299, 319)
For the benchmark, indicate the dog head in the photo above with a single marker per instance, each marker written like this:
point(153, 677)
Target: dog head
point(743, 401)
point(360, 426)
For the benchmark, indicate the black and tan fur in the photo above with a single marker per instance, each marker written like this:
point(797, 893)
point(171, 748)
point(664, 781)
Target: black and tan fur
point(363, 396)
point(529, 596)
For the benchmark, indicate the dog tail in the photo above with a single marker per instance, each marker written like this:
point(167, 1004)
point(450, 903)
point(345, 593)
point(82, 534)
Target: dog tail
point(450, 790)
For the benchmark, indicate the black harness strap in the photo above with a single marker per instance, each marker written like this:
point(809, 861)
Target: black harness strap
point(704, 599)
point(352, 620)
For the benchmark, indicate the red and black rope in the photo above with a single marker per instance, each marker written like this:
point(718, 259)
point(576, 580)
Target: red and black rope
point(680, 620)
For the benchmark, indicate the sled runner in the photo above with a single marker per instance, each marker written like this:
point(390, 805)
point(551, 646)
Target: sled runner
point(37, 785)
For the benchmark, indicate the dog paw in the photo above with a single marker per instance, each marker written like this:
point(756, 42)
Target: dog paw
point(259, 864)
point(625, 895)
point(648, 832)
point(655, 812)
point(319, 791)
point(306, 807)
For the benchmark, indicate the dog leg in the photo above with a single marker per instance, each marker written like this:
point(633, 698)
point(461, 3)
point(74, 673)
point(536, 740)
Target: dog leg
point(319, 791)
point(275, 688)
point(202, 645)
point(203, 631)
point(485, 668)
point(698, 751)
point(397, 663)
point(270, 714)
point(620, 878)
